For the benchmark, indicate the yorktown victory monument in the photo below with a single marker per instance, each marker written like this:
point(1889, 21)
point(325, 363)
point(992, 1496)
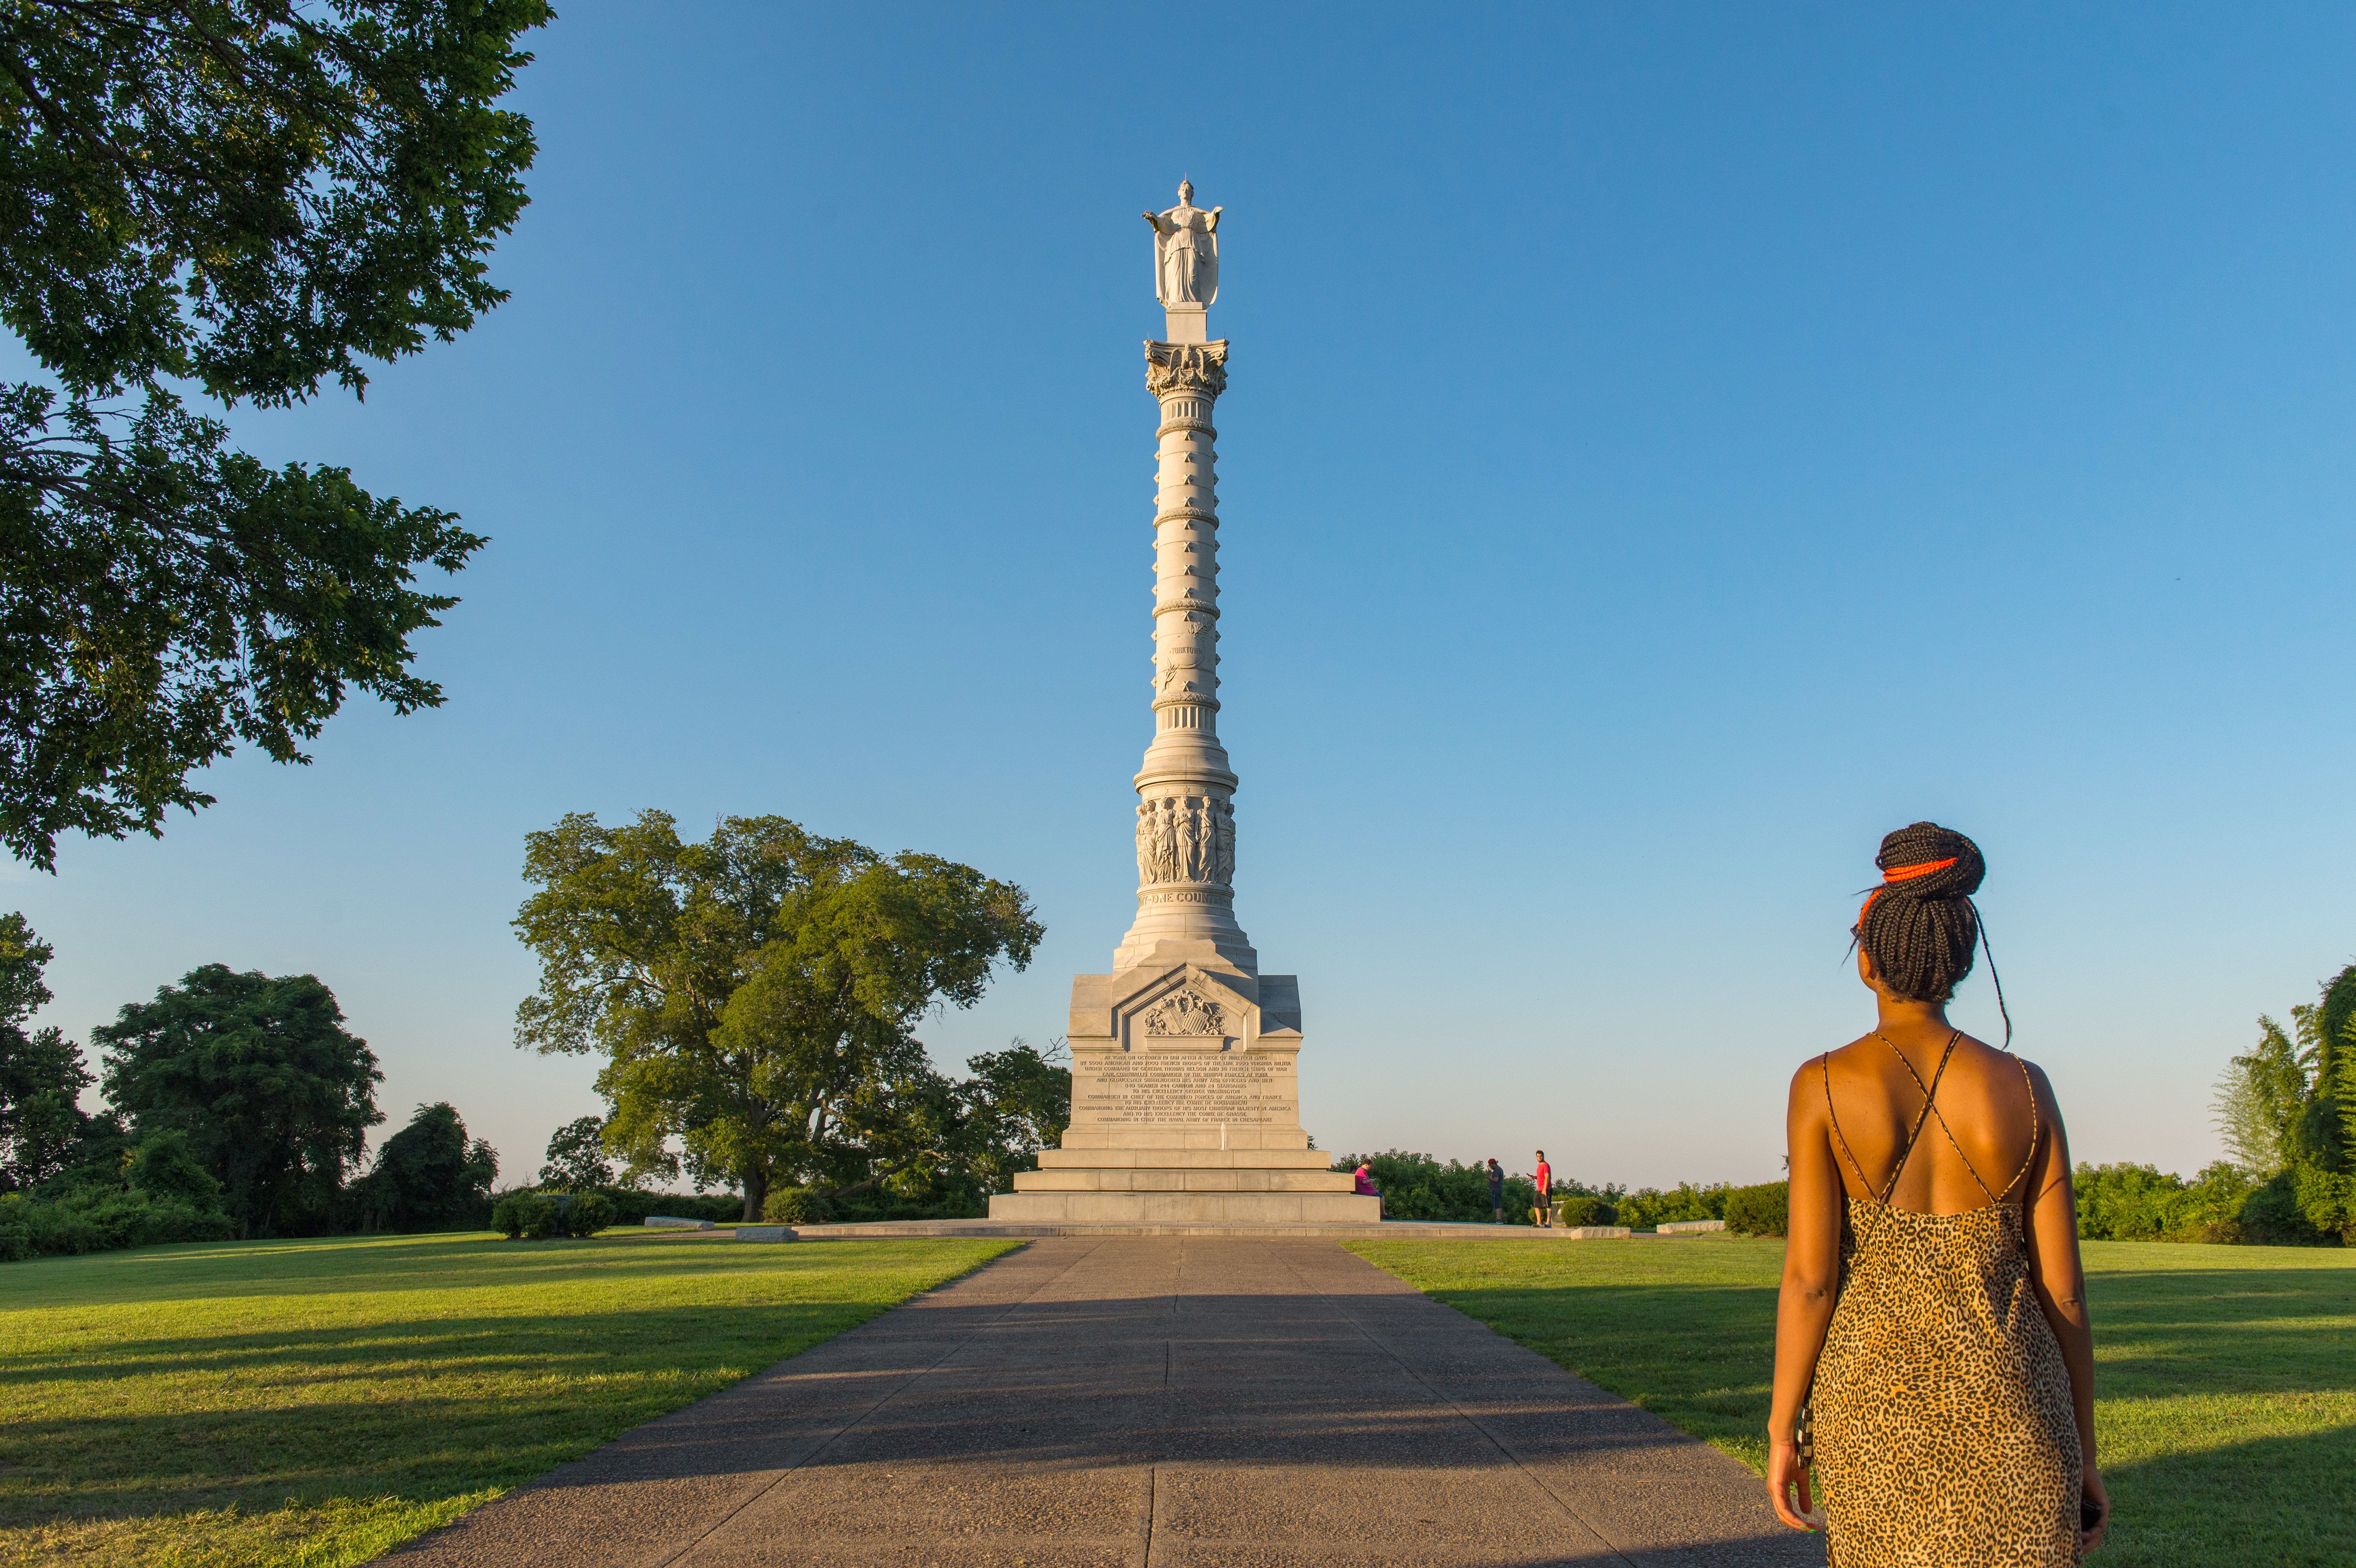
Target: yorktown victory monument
point(1185, 1098)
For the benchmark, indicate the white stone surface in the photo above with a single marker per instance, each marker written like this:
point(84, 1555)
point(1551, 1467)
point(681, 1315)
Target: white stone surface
point(1185, 1092)
point(1690, 1227)
point(765, 1233)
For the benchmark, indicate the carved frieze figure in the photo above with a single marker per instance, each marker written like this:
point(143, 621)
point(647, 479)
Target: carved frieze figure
point(1226, 870)
point(1189, 825)
point(1185, 251)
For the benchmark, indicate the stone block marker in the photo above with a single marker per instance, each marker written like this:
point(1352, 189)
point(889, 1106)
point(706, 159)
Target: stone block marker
point(1147, 1403)
point(673, 1223)
point(1690, 1227)
point(765, 1233)
point(1598, 1232)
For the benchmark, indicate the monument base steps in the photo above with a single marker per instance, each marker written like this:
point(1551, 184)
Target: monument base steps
point(1187, 1207)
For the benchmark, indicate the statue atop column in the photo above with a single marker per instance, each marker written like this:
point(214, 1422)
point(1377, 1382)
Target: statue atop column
point(1185, 251)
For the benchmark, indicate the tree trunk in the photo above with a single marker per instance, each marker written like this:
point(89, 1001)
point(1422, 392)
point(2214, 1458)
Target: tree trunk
point(755, 1183)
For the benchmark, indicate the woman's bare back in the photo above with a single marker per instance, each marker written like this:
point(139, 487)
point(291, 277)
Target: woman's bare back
point(1995, 1111)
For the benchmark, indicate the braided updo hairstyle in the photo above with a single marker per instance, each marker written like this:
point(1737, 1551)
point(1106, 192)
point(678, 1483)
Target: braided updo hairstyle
point(1920, 925)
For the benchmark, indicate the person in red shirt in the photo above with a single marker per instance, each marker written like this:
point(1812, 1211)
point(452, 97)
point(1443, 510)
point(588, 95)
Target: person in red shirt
point(1545, 1178)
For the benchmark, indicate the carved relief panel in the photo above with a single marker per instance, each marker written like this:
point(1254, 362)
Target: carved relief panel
point(1186, 838)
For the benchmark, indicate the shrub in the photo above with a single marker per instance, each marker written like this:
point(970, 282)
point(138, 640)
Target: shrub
point(1417, 1187)
point(101, 1219)
point(2271, 1216)
point(1648, 1207)
point(164, 1166)
point(543, 1216)
point(1761, 1210)
point(588, 1213)
point(796, 1206)
point(1574, 1210)
point(524, 1217)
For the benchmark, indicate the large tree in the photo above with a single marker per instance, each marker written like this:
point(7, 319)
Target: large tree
point(757, 996)
point(223, 200)
point(276, 1095)
point(429, 1176)
point(576, 1156)
point(2260, 1098)
point(42, 1127)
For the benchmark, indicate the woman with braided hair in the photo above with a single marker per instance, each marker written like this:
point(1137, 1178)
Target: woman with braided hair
point(1932, 1357)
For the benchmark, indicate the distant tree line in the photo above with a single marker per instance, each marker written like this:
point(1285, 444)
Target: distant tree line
point(237, 1105)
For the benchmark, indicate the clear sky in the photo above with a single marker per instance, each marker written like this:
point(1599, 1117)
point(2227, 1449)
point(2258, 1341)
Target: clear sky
point(1667, 448)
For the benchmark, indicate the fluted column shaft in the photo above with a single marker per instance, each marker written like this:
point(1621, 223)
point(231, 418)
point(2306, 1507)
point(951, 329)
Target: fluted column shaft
point(1185, 814)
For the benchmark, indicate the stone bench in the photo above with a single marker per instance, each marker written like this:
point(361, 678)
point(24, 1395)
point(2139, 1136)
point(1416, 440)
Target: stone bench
point(765, 1233)
point(1689, 1226)
point(1596, 1232)
point(672, 1223)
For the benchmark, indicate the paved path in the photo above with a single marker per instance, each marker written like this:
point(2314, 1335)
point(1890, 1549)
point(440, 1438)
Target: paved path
point(1146, 1403)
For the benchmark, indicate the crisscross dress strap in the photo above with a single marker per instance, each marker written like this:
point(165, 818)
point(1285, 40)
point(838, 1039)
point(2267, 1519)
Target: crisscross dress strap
point(1905, 1150)
point(2035, 1130)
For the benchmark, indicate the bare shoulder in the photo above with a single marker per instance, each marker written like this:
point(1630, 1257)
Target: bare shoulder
point(1808, 1078)
point(2041, 1087)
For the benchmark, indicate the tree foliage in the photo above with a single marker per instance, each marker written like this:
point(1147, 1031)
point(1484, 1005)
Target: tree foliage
point(274, 1095)
point(43, 1128)
point(2260, 1097)
point(1018, 1101)
point(756, 995)
point(2287, 1113)
point(429, 1176)
point(239, 198)
point(576, 1156)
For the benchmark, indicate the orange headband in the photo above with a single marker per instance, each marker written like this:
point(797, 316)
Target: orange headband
point(1903, 873)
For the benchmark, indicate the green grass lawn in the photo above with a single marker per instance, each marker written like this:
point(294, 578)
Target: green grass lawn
point(317, 1402)
point(2225, 1376)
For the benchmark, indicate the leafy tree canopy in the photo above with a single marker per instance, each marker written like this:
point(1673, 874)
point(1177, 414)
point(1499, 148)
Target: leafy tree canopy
point(240, 200)
point(429, 1176)
point(276, 1096)
point(1018, 1101)
point(576, 1156)
point(756, 995)
point(2260, 1097)
point(42, 1126)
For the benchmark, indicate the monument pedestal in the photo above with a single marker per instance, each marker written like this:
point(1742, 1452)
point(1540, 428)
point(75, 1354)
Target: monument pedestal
point(1185, 1105)
point(1185, 1100)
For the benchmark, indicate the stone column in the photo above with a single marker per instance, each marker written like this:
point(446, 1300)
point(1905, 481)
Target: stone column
point(1185, 812)
point(1185, 1076)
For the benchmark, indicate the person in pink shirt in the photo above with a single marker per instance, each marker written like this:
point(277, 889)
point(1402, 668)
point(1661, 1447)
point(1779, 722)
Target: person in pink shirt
point(1544, 1176)
point(1366, 1188)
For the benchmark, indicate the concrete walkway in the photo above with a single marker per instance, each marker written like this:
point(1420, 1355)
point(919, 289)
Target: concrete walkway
point(1146, 1402)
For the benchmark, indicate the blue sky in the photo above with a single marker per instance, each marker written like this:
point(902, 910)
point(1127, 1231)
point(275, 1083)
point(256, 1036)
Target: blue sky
point(1667, 448)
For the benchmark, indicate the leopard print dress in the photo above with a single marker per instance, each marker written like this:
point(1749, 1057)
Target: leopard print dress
point(1945, 1434)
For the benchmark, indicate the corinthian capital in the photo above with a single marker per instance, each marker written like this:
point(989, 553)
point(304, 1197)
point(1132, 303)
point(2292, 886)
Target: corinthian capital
point(1197, 368)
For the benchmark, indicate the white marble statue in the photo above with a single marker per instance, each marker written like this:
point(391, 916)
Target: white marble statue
point(1185, 251)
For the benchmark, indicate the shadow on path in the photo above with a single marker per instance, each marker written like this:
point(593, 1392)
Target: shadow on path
point(1147, 1401)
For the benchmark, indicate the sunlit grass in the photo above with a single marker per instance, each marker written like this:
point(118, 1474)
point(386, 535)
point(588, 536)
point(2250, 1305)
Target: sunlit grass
point(253, 1404)
point(2225, 1376)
